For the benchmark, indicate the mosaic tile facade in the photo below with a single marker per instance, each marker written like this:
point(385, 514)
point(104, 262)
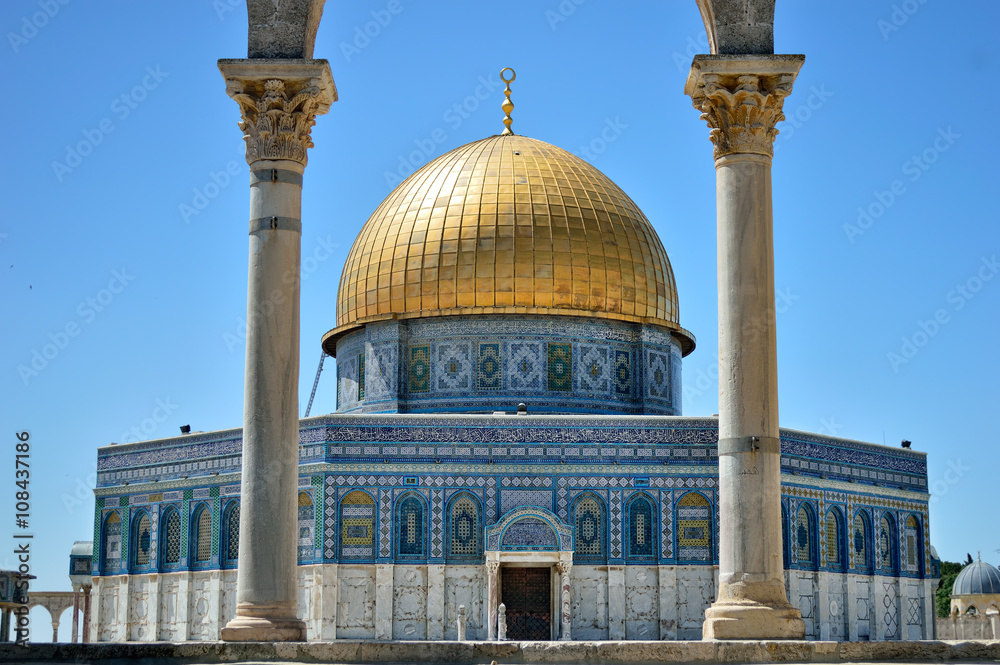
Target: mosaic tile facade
point(648, 483)
point(483, 364)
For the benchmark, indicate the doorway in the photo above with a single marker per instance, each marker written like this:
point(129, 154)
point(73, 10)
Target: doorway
point(527, 595)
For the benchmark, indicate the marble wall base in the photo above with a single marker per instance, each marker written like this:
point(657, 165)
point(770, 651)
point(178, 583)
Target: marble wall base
point(420, 602)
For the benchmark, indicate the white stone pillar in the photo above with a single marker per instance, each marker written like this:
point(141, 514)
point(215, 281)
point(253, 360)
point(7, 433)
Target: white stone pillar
point(821, 613)
point(214, 603)
point(435, 602)
point(124, 608)
point(328, 607)
point(501, 622)
point(741, 98)
point(76, 614)
point(184, 587)
point(668, 602)
point(279, 101)
point(565, 599)
point(460, 624)
point(153, 607)
point(616, 602)
point(85, 638)
point(383, 601)
point(492, 596)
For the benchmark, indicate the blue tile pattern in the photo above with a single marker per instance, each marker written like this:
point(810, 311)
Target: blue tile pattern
point(641, 528)
point(420, 369)
point(513, 466)
point(622, 371)
point(560, 366)
point(510, 499)
point(507, 358)
point(452, 367)
point(529, 533)
point(489, 367)
point(410, 527)
point(592, 369)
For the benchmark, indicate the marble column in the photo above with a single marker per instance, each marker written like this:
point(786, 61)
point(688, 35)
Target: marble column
point(435, 602)
point(616, 602)
point(85, 638)
point(492, 596)
point(741, 99)
point(279, 101)
point(383, 601)
point(668, 602)
point(565, 599)
point(76, 613)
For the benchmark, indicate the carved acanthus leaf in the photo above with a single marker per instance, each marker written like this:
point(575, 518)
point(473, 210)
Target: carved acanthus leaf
point(742, 111)
point(278, 118)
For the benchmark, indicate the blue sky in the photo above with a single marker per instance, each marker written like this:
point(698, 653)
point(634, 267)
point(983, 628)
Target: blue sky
point(886, 235)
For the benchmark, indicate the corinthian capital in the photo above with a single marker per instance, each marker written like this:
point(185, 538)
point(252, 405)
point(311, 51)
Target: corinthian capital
point(279, 101)
point(741, 99)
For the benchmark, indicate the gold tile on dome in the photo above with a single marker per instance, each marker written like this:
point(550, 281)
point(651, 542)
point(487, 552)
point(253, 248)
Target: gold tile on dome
point(480, 227)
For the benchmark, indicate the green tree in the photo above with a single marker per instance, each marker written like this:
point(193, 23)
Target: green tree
point(942, 597)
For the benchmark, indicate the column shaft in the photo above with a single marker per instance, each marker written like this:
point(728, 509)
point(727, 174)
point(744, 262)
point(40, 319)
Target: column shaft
point(279, 101)
point(85, 638)
point(565, 600)
point(76, 615)
point(492, 597)
point(750, 564)
point(741, 98)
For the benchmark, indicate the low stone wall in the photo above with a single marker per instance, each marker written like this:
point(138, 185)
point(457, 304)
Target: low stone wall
point(504, 653)
point(968, 627)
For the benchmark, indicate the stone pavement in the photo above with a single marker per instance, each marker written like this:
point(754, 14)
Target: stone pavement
point(504, 653)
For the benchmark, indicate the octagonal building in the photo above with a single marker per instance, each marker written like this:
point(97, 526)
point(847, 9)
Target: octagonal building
point(508, 271)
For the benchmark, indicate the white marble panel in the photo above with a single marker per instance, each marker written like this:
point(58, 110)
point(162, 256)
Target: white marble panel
point(642, 605)
point(590, 602)
point(356, 602)
point(409, 602)
point(464, 585)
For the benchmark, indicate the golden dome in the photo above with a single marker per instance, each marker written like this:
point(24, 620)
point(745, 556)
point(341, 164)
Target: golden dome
point(507, 225)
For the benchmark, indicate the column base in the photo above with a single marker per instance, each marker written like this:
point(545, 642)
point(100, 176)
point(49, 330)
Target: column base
point(753, 621)
point(258, 627)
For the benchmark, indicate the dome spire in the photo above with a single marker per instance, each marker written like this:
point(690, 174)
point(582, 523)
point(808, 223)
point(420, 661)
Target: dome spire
point(507, 105)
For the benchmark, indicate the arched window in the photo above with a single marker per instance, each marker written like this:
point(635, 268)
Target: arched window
point(887, 544)
point(307, 524)
point(231, 537)
point(694, 528)
point(357, 526)
point(142, 540)
point(112, 543)
point(464, 529)
point(201, 536)
point(170, 538)
point(410, 527)
point(640, 539)
point(860, 542)
point(804, 536)
point(834, 539)
point(914, 546)
point(588, 516)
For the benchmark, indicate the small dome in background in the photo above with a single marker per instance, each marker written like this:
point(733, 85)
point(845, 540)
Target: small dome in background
point(978, 577)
